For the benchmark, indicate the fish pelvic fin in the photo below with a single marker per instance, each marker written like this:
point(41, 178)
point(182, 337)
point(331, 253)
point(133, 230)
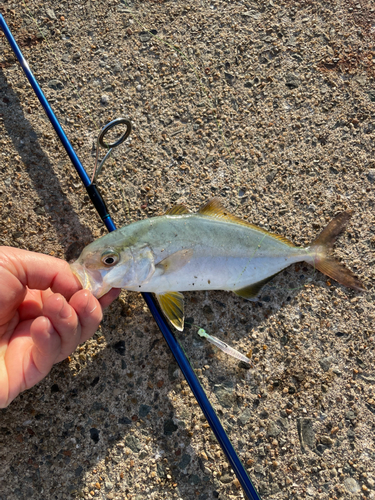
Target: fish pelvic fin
point(172, 305)
point(252, 291)
point(214, 208)
point(320, 253)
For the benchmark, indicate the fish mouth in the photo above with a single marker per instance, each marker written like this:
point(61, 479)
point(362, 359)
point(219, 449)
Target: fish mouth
point(90, 280)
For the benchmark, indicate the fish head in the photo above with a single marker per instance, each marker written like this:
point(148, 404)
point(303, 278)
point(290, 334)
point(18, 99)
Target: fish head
point(100, 268)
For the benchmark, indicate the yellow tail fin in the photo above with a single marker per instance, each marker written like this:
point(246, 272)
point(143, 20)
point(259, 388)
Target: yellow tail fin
point(321, 248)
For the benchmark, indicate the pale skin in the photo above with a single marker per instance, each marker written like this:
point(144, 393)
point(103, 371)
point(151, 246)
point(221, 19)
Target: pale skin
point(44, 316)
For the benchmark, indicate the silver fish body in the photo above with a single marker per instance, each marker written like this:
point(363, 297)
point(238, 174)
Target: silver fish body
point(206, 254)
point(180, 251)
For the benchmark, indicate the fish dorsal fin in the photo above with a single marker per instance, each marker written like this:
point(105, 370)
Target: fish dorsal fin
point(251, 291)
point(177, 210)
point(214, 208)
point(172, 305)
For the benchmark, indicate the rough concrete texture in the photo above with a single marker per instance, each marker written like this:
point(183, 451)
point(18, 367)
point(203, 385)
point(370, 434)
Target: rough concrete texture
point(269, 106)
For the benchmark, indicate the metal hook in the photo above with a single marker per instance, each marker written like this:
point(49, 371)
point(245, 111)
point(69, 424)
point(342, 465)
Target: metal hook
point(100, 142)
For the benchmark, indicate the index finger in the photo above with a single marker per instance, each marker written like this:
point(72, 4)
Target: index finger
point(20, 269)
point(38, 271)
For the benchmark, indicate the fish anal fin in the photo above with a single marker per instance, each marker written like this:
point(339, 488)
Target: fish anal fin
point(175, 261)
point(252, 291)
point(172, 305)
point(177, 210)
point(214, 208)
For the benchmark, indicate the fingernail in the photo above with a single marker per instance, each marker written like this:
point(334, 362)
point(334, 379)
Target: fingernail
point(93, 309)
point(50, 327)
point(65, 311)
point(91, 304)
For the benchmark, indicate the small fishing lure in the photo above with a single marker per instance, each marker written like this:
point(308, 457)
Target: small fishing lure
point(223, 346)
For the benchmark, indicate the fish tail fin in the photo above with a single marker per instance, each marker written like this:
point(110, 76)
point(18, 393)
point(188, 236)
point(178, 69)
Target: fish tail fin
point(322, 260)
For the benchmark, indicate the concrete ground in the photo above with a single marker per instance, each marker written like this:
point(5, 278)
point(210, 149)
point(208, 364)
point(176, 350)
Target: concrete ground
point(271, 107)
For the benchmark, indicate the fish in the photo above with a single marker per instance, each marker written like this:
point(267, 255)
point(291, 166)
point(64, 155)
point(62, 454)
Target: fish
point(208, 250)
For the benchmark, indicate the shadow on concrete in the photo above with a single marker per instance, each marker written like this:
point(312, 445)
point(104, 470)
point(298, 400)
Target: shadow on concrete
point(52, 200)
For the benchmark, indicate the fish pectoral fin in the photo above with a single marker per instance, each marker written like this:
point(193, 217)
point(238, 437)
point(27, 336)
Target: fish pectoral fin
point(172, 305)
point(177, 210)
point(251, 291)
point(175, 261)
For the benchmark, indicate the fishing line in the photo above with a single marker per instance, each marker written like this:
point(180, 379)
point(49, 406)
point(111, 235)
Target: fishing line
point(284, 289)
point(175, 347)
point(126, 204)
point(178, 50)
point(172, 47)
point(251, 258)
point(73, 86)
point(204, 90)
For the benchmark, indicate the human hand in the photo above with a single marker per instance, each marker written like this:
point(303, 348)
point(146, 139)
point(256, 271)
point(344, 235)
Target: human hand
point(44, 315)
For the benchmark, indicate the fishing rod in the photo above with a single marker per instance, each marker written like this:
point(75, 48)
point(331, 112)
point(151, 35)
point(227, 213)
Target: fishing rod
point(169, 337)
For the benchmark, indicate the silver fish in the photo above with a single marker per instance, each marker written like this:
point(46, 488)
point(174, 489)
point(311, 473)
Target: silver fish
point(210, 250)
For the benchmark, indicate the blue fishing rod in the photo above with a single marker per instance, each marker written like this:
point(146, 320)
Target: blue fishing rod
point(100, 206)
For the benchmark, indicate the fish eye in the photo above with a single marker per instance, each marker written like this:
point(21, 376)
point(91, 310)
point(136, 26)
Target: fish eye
point(110, 259)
